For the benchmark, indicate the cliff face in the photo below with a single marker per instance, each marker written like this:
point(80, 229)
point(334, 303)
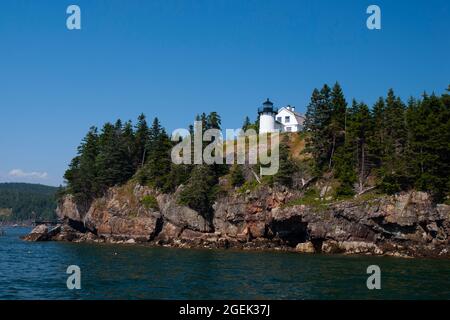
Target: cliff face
point(406, 224)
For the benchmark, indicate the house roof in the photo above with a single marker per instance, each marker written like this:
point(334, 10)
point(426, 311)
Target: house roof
point(298, 114)
point(299, 117)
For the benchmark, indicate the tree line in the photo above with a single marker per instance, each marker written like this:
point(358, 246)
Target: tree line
point(123, 151)
point(23, 201)
point(398, 145)
point(392, 146)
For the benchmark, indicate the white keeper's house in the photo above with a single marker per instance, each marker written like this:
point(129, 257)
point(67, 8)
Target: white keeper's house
point(285, 119)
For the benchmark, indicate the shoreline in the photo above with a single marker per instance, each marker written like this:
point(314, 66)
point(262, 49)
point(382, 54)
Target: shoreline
point(402, 225)
point(233, 246)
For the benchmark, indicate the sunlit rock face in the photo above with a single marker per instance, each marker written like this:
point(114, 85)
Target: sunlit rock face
point(405, 224)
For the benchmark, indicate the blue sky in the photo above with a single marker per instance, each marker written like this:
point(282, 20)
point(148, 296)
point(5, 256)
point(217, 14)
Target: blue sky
point(174, 59)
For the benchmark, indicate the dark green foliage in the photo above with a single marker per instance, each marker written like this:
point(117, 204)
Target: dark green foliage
point(114, 162)
point(150, 202)
point(250, 125)
point(359, 130)
point(199, 193)
point(120, 151)
point(393, 166)
point(429, 144)
point(286, 165)
point(319, 122)
point(237, 178)
point(156, 171)
point(402, 147)
point(246, 125)
point(82, 173)
point(213, 121)
point(27, 201)
point(142, 137)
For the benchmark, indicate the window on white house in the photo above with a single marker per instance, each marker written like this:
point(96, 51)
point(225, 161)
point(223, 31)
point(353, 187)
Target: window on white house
point(288, 129)
point(287, 119)
point(279, 119)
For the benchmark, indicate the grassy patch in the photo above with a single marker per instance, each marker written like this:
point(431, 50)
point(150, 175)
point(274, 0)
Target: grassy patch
point(369, 196)
point(149, 202)
point(248, 185)
point(310, 199)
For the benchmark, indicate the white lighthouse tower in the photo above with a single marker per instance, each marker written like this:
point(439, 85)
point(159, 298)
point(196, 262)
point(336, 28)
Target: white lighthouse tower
point(267, 117)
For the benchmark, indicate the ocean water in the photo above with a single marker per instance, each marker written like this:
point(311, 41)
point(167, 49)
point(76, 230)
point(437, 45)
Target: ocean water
point(38, 271)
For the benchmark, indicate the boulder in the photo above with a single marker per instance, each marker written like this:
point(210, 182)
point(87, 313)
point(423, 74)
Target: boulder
point(39, 233)
point(182, 216)
point(305, 247)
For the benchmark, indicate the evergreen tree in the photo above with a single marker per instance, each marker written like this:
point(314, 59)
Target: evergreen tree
point(113, 164)
point(286, 165)
point(156, 171)
point(359, 132)
point(213, 121)
point(199, 193)
point(237, 178)
point(154, 133)
point(428, 144)
point(318, 124)
point(142, 137)
point(393, 168)
point(338, 120)
point(82, 173)
point(378, 138)
point(246, 125)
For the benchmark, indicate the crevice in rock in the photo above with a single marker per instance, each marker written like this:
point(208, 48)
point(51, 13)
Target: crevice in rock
point(77, 225)
point(158, 227)
point(317, 244)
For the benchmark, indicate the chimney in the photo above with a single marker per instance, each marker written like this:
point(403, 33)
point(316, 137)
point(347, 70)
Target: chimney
point(293, 108)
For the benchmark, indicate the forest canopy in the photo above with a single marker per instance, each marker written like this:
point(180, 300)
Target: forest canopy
point(23, 201)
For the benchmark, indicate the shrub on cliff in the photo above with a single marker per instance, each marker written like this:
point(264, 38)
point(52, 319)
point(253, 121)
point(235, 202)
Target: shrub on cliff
point(237, 178)
point(200, 192)
point(149, 202)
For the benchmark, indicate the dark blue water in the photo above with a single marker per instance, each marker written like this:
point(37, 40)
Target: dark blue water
point(38, 271)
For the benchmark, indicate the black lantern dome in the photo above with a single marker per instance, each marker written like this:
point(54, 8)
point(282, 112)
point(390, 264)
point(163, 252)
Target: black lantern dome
point(267, 106)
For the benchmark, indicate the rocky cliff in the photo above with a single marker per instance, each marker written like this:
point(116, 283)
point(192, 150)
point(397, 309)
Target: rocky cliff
point(406, 224)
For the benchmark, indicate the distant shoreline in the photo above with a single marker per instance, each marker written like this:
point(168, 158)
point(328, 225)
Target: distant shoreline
point(12, 224)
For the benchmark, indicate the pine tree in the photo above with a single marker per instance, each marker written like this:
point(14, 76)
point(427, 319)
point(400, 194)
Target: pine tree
point(393, 168)
point(213, 121)
point(428, 144)
point(113, 165)
point(359, 132)
point(199, 193)
point(338, 120)
point(286, 165)
point(82, 173)
point(246, 125)
point(237, 178)
point(142, 139)
point(377, 140)
point(318, 124)
point(154, 133)
point(157, 169)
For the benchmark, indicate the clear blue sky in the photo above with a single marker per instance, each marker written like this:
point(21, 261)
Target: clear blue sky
point(174, 59)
